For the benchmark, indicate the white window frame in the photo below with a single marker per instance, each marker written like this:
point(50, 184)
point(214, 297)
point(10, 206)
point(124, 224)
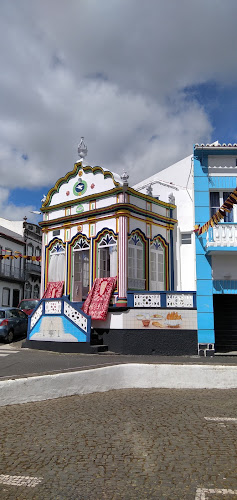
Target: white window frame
point(108, 244)
point(186, 238)
point(6, 289)
point(136, 273)
point(157, 250)
point(221, 201)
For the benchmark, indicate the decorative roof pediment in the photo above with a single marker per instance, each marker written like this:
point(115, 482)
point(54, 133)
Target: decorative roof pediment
point(81, 181)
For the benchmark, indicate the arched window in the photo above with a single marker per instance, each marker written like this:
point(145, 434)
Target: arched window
point(80, 276)
point(30, 250)
point(37, 254)
point(28, 291)
point(36, 292)
point(107, 256)
point(136, 263)
point(56, 269)
point(157, 266)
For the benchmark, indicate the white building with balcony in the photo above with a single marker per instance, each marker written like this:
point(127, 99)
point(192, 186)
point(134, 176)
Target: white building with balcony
point(215, 171)
point(31, 235)
point(12, 274)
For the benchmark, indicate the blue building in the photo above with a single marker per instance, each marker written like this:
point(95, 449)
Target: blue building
point(215, 171)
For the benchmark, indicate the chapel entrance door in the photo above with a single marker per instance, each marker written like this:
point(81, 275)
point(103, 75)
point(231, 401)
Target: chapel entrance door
point(80, 275)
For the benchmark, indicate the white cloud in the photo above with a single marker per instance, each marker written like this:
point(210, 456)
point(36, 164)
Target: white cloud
point(12, 212)
point(115, 72)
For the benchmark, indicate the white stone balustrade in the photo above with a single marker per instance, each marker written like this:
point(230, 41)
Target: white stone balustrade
point(223, 235)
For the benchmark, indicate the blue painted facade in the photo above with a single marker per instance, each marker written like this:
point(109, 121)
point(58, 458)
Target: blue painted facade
point(206, 285)
point(59, 320)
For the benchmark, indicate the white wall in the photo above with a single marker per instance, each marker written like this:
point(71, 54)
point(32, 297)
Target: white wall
point(11, 287)
point(224, 266)
point(181, 175)
point(13, 225)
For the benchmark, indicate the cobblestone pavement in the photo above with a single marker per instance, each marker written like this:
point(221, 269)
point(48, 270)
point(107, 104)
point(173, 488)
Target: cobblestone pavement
point(127, 444)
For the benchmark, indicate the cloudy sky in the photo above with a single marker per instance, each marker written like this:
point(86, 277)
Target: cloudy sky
point(142, 81)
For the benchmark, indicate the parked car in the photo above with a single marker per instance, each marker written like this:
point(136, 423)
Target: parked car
point(13, 323)
point(28, 305)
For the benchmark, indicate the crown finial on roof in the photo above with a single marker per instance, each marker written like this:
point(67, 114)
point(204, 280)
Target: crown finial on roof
point(125, 178)
point(171, 199)
point(82, 149)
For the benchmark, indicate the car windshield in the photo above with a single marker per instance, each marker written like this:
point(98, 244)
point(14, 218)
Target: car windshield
point(2, 314)
point(28, 304)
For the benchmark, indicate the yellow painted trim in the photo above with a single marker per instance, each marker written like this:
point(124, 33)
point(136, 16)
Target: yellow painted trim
point(94, 225)
point(65, 234)
point(150, 199)
point(90, 205)
point(73, 173)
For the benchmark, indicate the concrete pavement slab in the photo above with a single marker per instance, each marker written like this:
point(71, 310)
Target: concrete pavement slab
point(146, 444)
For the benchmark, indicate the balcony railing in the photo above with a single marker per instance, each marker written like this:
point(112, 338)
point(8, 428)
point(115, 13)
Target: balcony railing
point(11, 272)
point(223, 235)
point(164, 299)
point(33, 267)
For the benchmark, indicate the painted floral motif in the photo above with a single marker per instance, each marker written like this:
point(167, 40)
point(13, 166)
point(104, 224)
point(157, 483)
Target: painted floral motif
point(97, 303)
point(54, 290)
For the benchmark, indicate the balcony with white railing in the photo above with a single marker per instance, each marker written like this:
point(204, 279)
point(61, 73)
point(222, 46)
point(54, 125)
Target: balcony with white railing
point(223, 235)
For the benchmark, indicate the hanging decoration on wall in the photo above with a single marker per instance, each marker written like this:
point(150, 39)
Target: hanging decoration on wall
point(219, 215)
point(17, 255)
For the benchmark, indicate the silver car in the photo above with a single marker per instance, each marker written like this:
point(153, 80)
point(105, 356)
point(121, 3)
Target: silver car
point(13, 323)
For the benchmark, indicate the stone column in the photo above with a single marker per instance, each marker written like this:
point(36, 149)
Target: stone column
point(122, 261)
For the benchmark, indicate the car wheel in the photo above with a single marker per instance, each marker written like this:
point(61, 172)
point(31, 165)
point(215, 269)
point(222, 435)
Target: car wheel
point(9, 337)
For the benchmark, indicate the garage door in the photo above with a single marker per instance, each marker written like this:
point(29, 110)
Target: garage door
point(225, 322)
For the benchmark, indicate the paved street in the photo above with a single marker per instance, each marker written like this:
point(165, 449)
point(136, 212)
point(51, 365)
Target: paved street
point(129, 444)
point(16, 362)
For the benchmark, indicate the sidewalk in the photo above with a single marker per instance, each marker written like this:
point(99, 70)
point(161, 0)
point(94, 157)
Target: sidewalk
point(40, 375)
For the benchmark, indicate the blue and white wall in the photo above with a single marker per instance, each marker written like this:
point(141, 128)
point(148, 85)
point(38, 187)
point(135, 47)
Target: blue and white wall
point(214, 170)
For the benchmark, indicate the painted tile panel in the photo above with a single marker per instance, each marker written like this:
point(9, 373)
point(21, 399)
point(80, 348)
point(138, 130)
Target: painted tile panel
point(150, 319)
point(56, 329)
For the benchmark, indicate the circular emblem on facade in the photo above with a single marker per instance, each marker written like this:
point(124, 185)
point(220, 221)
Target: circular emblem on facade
point(80, 173)
point(79, 209)
point(67, 193)
point(92, 185)
point(79, 187)
point(79, 228)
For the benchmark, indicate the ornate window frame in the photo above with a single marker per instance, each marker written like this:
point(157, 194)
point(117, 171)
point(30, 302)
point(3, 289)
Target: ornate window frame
point(76, 244)
point(159, 242)
point(104, 239)
point(136, 240)
point(55, 246)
